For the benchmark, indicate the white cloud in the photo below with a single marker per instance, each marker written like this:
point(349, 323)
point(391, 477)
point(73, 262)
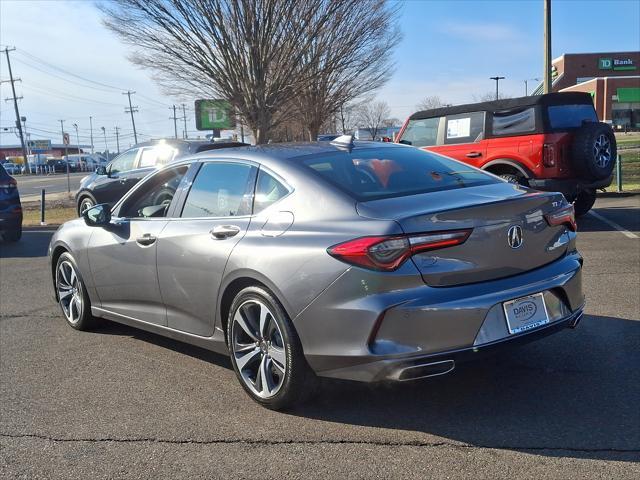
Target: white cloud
point(477, 31)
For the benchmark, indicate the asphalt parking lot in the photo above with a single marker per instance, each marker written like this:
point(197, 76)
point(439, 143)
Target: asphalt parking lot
point(121, 403)
point(31, 185)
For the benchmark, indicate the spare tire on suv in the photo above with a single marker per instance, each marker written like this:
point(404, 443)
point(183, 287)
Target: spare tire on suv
point(594, 151)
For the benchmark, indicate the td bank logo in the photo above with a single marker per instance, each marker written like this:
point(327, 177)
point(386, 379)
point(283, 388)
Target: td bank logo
point(605, 64)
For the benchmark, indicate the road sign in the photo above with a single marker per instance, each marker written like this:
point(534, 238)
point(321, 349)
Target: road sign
point(65, 138)
point(38, 146)
point(214, 115)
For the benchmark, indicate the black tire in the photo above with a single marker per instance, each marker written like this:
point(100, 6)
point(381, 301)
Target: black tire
point(82, 319)
point(594, 151)
point(85, 201)
point(584, 201)
point(298, 382)
point(12, 235)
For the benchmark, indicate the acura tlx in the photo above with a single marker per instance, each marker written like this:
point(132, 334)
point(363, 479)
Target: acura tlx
point(352, 260)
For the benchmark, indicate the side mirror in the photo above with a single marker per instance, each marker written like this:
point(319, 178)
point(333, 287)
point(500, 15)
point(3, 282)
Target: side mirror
point(97, 216)
point(101, 170)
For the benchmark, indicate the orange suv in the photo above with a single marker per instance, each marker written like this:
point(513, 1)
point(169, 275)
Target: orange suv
point(550, 142)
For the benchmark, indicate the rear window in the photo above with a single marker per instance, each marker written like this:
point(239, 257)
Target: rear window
point(394, 172)
point(570, 116)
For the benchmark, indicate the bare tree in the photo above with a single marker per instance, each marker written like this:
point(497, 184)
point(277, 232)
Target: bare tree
point(254, 53)
point(347, 115)
point(351, 57)
point(430, 102)
point(372, 117)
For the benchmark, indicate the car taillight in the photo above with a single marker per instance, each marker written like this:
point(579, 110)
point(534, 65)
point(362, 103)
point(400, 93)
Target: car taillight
point(548, 155)
point(387, 253)
point(565, 216)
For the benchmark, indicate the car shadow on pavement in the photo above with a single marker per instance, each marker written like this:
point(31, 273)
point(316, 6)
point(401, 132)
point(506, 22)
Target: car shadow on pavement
point(33, 244)
point(574, 394)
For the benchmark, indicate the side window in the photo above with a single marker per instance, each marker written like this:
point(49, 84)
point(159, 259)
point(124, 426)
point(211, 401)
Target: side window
point(514, 122)
point(464, 128)
point(157, 155)
point(124, 162)
point(268, 191)
point(154, 196)
point(422, 133)
point(221, 190)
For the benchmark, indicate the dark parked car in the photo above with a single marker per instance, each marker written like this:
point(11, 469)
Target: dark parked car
point(366, 261)
point(551, 142)
point(59, 166)
point(10, 208)
point(109, 183)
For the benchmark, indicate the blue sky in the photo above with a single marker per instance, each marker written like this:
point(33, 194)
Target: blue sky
point(450, 48)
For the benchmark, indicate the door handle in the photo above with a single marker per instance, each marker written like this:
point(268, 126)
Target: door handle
point(224, 231)
point(146, 240)
point(473, 155)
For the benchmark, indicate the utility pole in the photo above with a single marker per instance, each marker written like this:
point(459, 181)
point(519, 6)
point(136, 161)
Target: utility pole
point(75, 125)
point(15, 105)
point(66, 154)
point(175, 123)
point(131, 110)
point(106, 147)
point(497, 79)
point(91, 128)
point(118, 139)
point(184, 117)
point(547, 47)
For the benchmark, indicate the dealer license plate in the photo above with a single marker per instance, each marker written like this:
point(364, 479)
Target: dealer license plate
point(526, 313)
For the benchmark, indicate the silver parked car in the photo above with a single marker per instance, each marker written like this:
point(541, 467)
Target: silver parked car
point(365, 261)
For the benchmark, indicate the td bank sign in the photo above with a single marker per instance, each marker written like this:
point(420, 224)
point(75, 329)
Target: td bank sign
point(616, 64)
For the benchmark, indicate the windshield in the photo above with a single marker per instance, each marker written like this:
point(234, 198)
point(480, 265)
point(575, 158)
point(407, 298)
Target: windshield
point(394, 172)
point(570, 116)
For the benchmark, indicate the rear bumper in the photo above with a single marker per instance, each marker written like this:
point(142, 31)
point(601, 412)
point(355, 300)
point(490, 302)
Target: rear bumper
point(409, 333)
point(10, 221)
point(568, 187)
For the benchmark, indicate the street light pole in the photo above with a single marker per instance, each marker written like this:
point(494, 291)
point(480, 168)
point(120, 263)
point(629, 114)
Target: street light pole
point(497, 79)
point(547, 47)
point(526, 89)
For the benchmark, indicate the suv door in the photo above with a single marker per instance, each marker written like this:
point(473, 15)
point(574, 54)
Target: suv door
point(462, 138)
point(194, 247)
point(111, 187)
point(122, 256)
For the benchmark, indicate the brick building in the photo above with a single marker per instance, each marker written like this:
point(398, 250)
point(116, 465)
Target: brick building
point(612, 78)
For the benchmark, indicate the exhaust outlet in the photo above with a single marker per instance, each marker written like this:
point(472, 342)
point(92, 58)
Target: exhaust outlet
point(425, 370)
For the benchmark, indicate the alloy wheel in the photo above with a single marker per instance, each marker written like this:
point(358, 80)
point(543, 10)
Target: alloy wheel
point(602, 151)
point(69, 291)
point(86, 204)
point(258, 348)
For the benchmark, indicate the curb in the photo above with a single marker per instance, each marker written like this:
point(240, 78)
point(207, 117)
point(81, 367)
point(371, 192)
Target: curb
point(617, 194)
point(48, 227)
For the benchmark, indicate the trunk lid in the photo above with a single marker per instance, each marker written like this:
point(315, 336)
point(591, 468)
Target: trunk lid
point(490, 211)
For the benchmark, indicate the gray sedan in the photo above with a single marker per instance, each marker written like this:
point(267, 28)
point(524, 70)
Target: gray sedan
point(360, 261)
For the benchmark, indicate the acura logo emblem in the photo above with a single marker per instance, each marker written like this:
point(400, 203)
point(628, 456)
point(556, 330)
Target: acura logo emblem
point(514, 236)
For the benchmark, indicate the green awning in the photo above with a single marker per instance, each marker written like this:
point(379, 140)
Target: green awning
point(630, 94)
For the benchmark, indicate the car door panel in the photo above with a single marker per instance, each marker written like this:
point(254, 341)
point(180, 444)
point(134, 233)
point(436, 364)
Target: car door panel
point(191, 262)
point(193, 250)
point(123, 265)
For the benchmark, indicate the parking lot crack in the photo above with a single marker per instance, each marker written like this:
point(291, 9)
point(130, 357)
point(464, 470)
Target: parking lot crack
point(263, 442)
